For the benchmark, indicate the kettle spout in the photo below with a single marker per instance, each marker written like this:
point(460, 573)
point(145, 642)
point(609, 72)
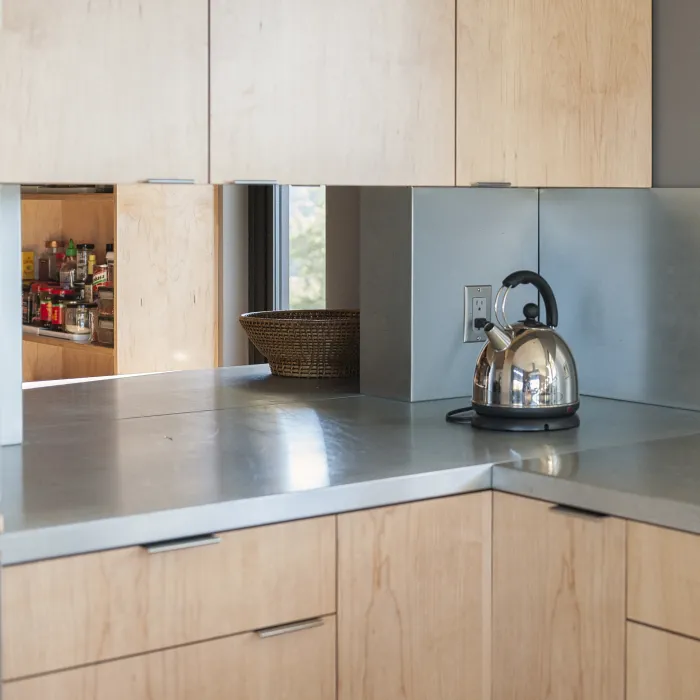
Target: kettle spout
point(499, 339)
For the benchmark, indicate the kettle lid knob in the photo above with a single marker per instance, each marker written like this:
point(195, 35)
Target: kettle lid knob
point(531, 311)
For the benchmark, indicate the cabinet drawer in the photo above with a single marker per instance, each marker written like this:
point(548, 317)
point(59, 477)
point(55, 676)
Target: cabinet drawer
point(78, 610)
point(660, 665)
point(300, 664)
point(663, 578)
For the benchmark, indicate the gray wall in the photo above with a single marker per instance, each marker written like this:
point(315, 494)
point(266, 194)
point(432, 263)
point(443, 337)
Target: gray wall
point(676, 99)
point(462, 237)
point(10, 320)
point(385, 291)
point(624, 265)
point(342, 247)
point(419, 248)
point(233, 275)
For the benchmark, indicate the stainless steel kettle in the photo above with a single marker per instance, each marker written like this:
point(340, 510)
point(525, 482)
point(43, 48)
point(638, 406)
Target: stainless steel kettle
point(525, 370)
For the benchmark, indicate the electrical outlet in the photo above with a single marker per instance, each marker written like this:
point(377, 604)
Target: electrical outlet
point(477, 312)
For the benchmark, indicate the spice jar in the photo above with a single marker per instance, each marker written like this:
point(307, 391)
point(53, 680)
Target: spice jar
point(105, 330)
point(59, 298)
point(34, 293)
point(57, 308)
point(45, 304)
point(106, 300)
point(78, 317)
point(26, 304)
point(82, 260)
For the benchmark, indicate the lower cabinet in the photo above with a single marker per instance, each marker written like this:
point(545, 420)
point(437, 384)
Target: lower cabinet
point(414, 588)
point(558, 603)
point(295, 662)
point(660, 665)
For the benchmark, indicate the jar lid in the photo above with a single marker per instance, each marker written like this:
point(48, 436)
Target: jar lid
point(55, 244)
point(109, 247)
point(86, 246)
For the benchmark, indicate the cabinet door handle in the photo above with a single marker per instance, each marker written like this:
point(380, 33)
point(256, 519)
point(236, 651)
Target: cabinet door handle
point(578, 512)
point(491, 184)
point(167, 180)
point(184, 543)
point(288, 629)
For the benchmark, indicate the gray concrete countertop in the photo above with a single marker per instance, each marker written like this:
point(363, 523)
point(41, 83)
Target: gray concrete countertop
point(144, 459)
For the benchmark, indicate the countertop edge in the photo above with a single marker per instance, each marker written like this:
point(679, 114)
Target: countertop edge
point(51, 542)
point(619, 504)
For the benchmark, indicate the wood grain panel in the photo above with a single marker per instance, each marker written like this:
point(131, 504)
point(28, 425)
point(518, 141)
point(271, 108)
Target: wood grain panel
point(45, 358)
point(297, 666)
point(554, 94)
point(333, 92)
point(414, 585)
point(663, 578)
point(661, 666)
point(78, 610)
point(558, 603)
point(42, 220)
point(166, 278)
point(90, 221)
point(78, 363)
point(41, 362)
point(95, 99)
point(85, 219)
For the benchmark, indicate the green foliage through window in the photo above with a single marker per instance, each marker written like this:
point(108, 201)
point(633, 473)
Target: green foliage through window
point(307, 247)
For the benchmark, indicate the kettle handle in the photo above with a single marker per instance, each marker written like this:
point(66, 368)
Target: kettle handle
point(529, 277)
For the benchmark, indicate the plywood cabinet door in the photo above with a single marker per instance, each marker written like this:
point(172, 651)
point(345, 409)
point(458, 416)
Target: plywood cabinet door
point(333, 92)
point(297, 663)
point(554, 94)
point(414, 585)
point(661, 665)
point(100, 91)
point(166, 279)
point(558, 603)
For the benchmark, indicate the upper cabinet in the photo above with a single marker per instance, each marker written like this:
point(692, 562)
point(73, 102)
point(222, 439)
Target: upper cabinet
point(333, 92)
point(554, 94)
point(102, 91)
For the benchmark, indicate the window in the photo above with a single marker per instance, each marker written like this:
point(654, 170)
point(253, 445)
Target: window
point(307, 247)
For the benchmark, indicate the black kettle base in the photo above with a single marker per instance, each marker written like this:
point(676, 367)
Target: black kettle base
point(524, 425)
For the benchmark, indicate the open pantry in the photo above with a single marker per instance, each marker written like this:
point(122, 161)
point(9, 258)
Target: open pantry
point(118, 280)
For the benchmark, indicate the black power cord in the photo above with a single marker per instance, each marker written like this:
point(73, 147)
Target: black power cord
point(457, 415)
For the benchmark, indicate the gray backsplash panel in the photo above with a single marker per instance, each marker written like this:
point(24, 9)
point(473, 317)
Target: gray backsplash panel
point(385, 291)
point(463, 236)
point(419, 248)
point(624, 266)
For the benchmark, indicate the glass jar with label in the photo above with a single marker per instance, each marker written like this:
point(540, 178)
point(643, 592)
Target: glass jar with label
point(79, 317)
point(105, 330)
point(45, 304)
point(105, 300)
point(84, 250)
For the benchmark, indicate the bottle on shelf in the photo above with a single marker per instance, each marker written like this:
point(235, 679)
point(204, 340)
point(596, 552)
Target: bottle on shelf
point(50, 261)
point(69, 266)
point(84, 252)
point(110, 259)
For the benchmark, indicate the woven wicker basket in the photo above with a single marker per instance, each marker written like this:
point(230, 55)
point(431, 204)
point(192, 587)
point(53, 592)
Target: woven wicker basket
point(322, 343)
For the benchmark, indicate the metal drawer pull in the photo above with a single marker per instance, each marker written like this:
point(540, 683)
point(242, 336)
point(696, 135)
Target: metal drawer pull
point(291, 627)
point(578, 512)
point(253, 182)
point(184, 543)
point(491, 184)
point(169, 181)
